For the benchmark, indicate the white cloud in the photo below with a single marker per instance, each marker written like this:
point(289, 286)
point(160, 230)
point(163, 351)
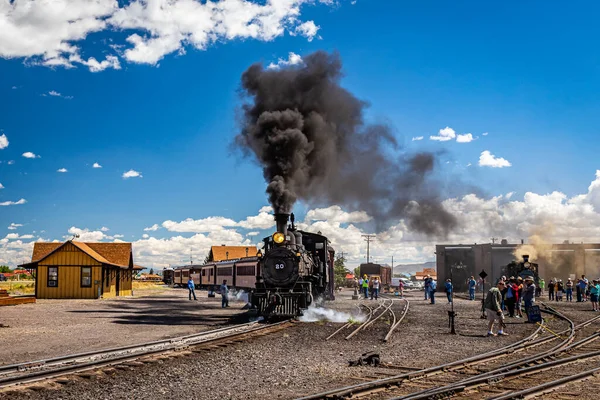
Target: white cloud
point(29, 154)
point(118, 236)
point(414, 139)
point(484, 134)
point(54, 93)
point(14, 226)
point(445, 134)
point(132, 174)
point(14, 236)
point(487, 159)
point(13, 203)
point(63, 170)
point(104, 229)
point(3, 141)
point(466, 138)
point(264, 219)
point(210, 224)
point(307, 29)
point(254, 233)
point(293, 59)
point(85, 235)
point(51, 33)
point(1, 186)
point(11, 162)
point(154, 227)
point(145, 236)
point(96, 165)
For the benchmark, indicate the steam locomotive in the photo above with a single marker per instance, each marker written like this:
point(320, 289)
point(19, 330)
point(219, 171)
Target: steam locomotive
point(522, 269)
point(295, 268)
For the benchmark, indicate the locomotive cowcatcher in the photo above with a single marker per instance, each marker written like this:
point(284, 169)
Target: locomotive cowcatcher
point(295, 268)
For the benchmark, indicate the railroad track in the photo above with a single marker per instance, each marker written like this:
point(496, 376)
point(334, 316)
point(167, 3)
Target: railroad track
point(41, 370)
point(374, 313)
point(481, 376)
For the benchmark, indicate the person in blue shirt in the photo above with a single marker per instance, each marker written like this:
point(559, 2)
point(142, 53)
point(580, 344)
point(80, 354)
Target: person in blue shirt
point(224, 294)
point(432, 288)
point(449, 290)
point(472, 284)
point(191, 286)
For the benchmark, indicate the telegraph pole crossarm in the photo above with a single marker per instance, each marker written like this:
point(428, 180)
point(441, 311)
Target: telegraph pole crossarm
point(368, 239)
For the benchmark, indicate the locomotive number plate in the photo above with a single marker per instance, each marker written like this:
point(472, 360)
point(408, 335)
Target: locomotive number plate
point(279, 266)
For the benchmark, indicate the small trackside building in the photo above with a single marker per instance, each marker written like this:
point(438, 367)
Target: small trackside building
point(77, 270)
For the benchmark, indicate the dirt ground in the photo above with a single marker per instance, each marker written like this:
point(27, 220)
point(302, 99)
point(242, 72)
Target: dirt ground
point(294, 362)
point(51, 328)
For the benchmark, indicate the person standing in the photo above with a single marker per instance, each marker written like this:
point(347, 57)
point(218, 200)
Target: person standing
point(432, 288)
point(224, 294)
point(472, 284)
point(594, 292)
point(551, 290)
point(511, 296)
point(448, 289)
point(559, 290)
point(542, 285)
point(581, 285)
point(365, 287)
point(191, 289)
point(493, 309)
point(426, 286)
point(360, 282)
point(529, 295)
point(375, 290)
point(569, 290)
point(586, 292)
point(401, 288)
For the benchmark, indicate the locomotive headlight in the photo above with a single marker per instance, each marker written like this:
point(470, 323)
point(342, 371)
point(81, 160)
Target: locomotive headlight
point(278, 237)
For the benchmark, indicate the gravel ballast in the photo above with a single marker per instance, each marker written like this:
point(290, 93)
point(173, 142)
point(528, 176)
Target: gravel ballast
point(299, 361)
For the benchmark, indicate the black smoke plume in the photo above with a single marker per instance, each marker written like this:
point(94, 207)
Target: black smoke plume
point(308, 134)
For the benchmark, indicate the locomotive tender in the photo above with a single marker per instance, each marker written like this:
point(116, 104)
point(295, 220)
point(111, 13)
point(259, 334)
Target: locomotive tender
point(295, 270)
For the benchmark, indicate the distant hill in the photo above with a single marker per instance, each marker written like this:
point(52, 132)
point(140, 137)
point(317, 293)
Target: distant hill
point(412, 268)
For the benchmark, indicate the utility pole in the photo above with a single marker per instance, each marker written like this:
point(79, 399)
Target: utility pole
point(392, 265)
point(494, 240)
point(368, 239)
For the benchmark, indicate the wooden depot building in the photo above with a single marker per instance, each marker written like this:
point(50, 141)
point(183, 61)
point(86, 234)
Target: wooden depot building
point(77, 270)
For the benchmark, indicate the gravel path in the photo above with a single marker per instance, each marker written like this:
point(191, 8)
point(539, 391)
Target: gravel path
point(298, 361)
point(51, 328)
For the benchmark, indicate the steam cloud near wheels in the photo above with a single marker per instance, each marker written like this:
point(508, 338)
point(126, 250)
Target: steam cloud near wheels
point(308, 134)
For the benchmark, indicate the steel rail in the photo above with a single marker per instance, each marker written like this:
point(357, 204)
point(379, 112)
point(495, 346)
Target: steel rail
point(392, 380)
point(395, 324)
point(371, 314)
point(4, 369)
point(347, 324)
point(548, 385)
point(498, 373)
point(60, 369)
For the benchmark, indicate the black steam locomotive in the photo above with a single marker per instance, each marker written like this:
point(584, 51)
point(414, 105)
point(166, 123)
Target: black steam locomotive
point(522, 269)
point(295, 269)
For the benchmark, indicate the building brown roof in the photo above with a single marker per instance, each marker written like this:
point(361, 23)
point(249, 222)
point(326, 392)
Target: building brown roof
point(222, 253)
point(117, 254)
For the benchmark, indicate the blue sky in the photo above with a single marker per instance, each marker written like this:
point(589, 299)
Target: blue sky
point(528, 74)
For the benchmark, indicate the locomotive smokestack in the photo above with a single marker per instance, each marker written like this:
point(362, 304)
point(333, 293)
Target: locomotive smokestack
point(525, 258)
point(281, 219)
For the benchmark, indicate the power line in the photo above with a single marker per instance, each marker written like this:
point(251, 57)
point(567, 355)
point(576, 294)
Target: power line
point(368, 239)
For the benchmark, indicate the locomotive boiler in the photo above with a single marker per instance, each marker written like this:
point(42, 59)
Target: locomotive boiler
point(295, 268)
